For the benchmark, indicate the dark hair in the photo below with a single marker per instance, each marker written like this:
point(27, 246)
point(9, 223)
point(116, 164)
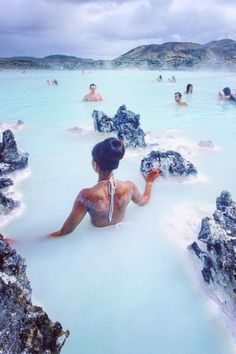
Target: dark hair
point(179, 94)
point(160, 76)
point(108, 153)
point(188, 88)
point(90, 86)
point(227, 92)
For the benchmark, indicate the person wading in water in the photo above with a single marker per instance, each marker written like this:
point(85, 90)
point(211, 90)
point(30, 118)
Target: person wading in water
point(106, 202)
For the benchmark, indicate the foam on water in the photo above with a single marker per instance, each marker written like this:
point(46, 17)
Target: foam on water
point(183, 223)
point(8, 216)
point(14, 192)
point(121, 289)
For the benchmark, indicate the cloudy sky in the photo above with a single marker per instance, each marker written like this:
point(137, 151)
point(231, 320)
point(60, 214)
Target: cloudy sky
point(105, 29)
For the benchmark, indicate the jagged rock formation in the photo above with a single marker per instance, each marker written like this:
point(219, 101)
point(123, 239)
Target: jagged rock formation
point(169, 162)
point(102, 123)
point(10, 158)
point(24, 327)
point(217, 250)
point(125, 123)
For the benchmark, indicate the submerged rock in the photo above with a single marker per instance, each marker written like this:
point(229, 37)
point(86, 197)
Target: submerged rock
point(77, 130)
point(206, 144)
point(24, 327)
point(125, 123)
point(218, 240)
point(10, 158)
point(170, 163)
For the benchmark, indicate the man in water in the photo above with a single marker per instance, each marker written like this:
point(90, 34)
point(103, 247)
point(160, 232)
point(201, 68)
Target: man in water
point(227, 95)
point(178, 99)
point(93, 95)
point(106, 202)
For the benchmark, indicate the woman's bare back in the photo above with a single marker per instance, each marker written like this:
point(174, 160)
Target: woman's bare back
point(97, 200)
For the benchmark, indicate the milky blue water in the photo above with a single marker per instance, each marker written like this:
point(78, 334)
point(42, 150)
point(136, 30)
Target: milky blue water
point(126, 289)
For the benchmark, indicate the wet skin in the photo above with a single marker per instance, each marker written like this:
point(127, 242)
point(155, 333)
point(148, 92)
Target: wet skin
point(179, 101)
point(96, 201)
point(93, 96)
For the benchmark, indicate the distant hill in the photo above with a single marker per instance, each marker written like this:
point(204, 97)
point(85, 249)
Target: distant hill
point(180, 55)
point(56, 62)
point(170, 55)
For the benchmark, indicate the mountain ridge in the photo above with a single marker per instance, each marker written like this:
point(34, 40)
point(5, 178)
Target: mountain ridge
point(168, 55)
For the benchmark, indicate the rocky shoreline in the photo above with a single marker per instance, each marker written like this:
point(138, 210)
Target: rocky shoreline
point(24, 327)
point(11, 160)
point(216, 250)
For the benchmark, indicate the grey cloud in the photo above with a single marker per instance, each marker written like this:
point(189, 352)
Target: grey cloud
point(79, 2)
point(108, 28)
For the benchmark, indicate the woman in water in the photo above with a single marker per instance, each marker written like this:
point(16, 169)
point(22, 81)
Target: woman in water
point(106, 202)
point(189, 89)
point(227, 96)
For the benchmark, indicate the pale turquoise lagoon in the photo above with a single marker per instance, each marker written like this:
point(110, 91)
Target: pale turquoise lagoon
point(126, 289)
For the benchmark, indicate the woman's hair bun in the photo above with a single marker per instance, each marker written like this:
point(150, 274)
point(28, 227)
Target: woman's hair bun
point(108, 153)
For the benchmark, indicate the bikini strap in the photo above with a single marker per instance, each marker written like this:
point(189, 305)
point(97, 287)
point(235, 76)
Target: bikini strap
point(112, 191)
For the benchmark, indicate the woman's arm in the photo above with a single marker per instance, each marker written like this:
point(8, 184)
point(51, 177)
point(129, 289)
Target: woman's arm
point(77, 214)
point(142, 199)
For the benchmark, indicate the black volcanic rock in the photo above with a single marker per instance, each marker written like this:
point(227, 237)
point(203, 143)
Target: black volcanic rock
point(10, 158)
point(217, 237)
point(24, 327)
point(5, 182)
point(125, 123)
point(102, 123)
point(170, 163)
point(8, 203)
